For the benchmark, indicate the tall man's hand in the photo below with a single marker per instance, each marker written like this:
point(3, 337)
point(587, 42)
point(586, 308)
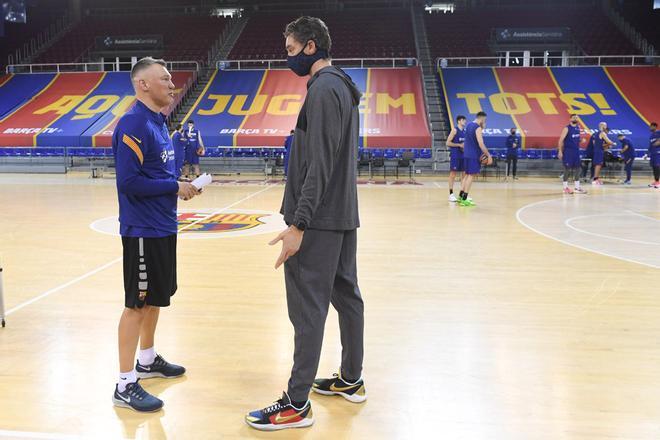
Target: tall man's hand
point(291, 239)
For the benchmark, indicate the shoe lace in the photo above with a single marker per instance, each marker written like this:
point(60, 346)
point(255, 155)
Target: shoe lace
point(136, 391)
point(274, 407)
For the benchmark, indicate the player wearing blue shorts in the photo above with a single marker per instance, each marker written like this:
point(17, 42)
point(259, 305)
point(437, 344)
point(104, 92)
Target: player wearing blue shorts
point(195, 149)
point(601, 143)
point(180, 142)
point(512, 148)
point(654, 154)
point(473, 148)
point(569, 153)
point(455, 143)
point(628, 156)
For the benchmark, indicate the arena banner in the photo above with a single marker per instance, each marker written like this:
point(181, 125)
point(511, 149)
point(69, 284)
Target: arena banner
point(111, 43)
point(258, 108)
point(533, 35)
point(66, 109)
point(538, 101)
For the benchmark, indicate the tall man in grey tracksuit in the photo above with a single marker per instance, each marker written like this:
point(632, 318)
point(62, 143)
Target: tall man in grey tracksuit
point(319, 247)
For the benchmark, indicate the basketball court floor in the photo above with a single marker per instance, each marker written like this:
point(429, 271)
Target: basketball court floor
point(532, 316)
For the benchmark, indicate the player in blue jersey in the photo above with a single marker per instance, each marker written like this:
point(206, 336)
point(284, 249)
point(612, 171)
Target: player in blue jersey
point(628, 156)
point(569, 153)
point(601, 143)
point(288, 142)
point(654, 154)
point(195, 149)
point(147, 189)
point(474, 149)
point(512, 148)
point(455, 143)
point(180, 142)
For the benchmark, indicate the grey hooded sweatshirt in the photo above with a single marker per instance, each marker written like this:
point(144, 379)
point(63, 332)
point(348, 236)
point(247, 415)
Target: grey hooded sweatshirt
point(321, 191)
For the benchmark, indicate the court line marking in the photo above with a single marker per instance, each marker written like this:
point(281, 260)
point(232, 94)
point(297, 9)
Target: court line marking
point(568, 224)
point(36, 435)
point(531, 228)
point(645, 216)
point(118, 259)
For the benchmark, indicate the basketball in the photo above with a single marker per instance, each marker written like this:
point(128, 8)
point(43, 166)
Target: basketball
point(200, 151)
point(483, 159)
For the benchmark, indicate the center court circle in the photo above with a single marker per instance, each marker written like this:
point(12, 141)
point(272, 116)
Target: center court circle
point(211, 223)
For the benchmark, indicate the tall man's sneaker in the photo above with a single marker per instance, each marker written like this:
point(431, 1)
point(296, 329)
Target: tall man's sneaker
point(336, 386)
point(160, 368)
point(281, 415)
point(136, 398)
point(452, 198)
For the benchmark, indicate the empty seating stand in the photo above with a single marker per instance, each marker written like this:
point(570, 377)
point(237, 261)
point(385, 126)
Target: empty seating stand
point(355, 34)
point(186, 37)
point(466, 33)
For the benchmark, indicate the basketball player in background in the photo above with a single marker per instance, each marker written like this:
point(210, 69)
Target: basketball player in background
point(455, 143)
point(475, 154)
point(194, 151)
point(569, 153)
point(601, 143)
point(512, 148)
point(654, 154)
point(628, 156)
point(180, 142)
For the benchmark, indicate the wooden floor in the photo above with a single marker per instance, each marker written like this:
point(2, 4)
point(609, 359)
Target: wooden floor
point(492, 322)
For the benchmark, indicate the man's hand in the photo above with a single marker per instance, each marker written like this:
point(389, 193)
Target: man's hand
point(560, 154)
point(187, 190)
point(490, 159)
point(291, 239)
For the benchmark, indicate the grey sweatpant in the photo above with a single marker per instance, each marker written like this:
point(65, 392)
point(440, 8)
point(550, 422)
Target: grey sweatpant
point(323, 271)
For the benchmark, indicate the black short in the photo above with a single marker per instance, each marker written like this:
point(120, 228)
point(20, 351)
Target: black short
point(149, 271)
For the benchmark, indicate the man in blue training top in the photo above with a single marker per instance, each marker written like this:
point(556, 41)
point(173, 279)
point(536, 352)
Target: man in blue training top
point(512, 148)
point(455, 141)
point(474, 149)
point(194, 149)
point(180, 141)
point(147, 189)
point(628, 156)
point(654, 154)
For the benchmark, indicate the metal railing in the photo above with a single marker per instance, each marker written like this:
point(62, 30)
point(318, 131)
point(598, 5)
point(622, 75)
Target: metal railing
point(555, 61)
point(92, 67)
point(340, 62)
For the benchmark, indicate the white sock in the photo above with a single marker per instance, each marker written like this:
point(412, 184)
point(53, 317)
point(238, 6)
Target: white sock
point(565, 185)
point(125, 379)
point(577, 184)
point(147, 357)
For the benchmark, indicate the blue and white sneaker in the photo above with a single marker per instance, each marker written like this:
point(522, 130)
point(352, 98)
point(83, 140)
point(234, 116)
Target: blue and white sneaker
point(136, 398)
point(160, 368)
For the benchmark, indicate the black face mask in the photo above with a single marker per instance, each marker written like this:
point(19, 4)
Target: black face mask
point(301, 64)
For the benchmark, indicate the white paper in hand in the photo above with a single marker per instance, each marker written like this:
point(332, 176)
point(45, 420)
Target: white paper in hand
point(202, 181)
